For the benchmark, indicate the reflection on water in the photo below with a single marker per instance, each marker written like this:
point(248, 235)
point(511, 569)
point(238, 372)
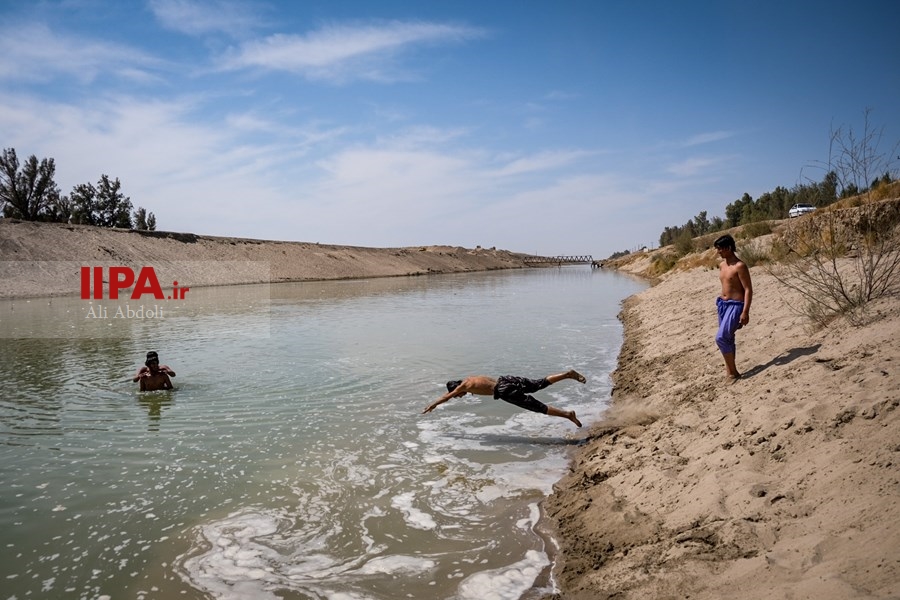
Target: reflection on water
point(292, 460)
point(155, 403)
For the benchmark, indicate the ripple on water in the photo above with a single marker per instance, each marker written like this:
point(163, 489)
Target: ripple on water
point(298, 462)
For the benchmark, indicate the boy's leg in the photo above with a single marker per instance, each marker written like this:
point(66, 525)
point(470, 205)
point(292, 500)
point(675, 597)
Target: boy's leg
point(567, 414)
point(730, 365)
point(570, 374)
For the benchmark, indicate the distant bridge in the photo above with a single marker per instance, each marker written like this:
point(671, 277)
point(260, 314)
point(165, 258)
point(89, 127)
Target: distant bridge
point(583, 259)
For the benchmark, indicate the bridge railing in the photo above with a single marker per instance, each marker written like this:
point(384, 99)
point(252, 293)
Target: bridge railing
point(582, 259)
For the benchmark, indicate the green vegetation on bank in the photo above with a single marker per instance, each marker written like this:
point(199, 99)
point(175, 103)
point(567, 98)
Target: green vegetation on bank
point(839, 258)
point(28, 192)
point(856, 168)
point(774, 206)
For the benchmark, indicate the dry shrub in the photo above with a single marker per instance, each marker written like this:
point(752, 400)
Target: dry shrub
point(839, 260)
point(705, 260)
point(753, 253)
point(754, 230)
point(884, 191)
point(662, 263)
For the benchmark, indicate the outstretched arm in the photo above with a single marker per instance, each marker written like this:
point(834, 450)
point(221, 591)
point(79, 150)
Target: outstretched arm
point(458, 392)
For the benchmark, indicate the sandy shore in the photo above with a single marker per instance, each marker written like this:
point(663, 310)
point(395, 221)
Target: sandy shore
point(43, 259)
point(785, 484)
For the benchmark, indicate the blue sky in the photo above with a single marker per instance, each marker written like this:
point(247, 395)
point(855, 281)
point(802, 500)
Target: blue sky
point(565, 127)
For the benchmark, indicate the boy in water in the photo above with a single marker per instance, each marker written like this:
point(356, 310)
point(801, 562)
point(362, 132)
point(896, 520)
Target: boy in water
point(514, 390)
point(154, 376)
point(733, 303)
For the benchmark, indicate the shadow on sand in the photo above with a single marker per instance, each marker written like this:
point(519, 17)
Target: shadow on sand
point(782, 359)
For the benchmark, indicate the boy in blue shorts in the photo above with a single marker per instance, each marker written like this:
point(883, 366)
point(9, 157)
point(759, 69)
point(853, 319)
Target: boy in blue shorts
point(733, 304)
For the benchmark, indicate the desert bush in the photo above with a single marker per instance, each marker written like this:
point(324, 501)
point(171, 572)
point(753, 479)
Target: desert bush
point(684, 243)
point(754, 230)
point(884, 191)
point(701, 260)
point(662, 263)
point(779, 251)
point(753, 254)
point(842, 258)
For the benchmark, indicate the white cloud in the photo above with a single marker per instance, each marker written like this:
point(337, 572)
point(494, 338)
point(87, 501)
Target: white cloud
point(243, 176)
point(421, 136)
point(199, 18)
point(542, 161)
point(35, 53)
point(692, 166)
point(706, 138)
point(343, 52)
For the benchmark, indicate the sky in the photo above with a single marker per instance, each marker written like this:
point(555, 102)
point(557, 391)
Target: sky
point(553, 128)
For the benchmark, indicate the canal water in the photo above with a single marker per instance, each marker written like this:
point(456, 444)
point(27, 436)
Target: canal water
point(292, 460)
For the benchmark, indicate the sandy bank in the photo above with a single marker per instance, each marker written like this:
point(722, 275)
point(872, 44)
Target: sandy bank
point(785, 484)
point(41, 259)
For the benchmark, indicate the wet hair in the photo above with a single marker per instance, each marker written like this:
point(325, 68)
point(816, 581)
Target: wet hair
point(452, 385)
point(151, 357)
point(726, 241)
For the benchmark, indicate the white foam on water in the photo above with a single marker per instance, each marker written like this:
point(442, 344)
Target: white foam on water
point(515, 477)
point(255, 553)
point(391, 565)
point(529, 523)
point(347, 596)
point(413, 516)
point(505, 583)
point(235, 566)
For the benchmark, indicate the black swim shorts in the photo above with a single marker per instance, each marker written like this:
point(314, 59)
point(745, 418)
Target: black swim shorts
point(515, 390)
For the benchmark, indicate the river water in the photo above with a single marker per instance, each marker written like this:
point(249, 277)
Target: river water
point(292, 460)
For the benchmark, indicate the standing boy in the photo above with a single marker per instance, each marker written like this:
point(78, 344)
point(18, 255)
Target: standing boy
point(733, 303)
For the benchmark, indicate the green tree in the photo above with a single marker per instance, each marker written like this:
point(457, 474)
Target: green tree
point(701, 223)
point(61, 210)
point(30, 193)
point(103, 205)
point(684, 243)
point(81, 201)
point(734, 212)
point(144, 221)
point(140, 219)
point(115, 207)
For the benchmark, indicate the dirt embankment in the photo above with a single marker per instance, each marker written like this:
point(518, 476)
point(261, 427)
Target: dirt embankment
point(783, 484)
point(42, 259)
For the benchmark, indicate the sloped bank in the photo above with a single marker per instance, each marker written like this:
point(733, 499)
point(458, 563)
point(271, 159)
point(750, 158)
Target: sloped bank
point(784, 484)
point(41, 259)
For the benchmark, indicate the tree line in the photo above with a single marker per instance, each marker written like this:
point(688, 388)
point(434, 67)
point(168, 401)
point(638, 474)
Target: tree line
point(769, 206)
point(28, 192)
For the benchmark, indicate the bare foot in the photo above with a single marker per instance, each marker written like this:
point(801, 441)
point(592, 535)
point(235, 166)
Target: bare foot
point(733, 378)
point(571, 416)
point(573, 374)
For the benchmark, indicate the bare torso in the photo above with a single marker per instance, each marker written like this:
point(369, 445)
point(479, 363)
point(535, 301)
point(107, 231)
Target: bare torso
point(479, 384)
point(730, 276)
point(152, 380)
